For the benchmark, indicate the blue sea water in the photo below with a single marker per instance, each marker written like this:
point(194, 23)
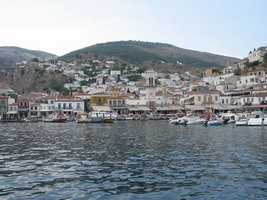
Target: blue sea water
point(132, 160)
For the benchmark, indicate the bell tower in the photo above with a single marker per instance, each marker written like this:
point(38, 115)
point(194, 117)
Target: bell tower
point(150, 77)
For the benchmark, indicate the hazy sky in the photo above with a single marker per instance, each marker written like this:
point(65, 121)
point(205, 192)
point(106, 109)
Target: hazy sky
point(228, 27)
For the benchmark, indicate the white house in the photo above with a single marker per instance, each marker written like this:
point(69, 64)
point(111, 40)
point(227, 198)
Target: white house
point(254, 99)
point(257, 54)
point(69, 106)
point(224, 87)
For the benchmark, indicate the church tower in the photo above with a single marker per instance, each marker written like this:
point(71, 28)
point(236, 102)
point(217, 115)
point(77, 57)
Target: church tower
point(150, 77)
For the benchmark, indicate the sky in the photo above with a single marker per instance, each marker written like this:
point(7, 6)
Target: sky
point(225, 27)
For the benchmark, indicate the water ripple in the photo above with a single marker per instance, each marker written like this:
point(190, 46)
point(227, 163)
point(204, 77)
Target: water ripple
point(132, 160)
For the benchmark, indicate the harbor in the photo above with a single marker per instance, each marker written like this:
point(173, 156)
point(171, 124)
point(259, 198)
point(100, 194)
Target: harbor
point(132, 159)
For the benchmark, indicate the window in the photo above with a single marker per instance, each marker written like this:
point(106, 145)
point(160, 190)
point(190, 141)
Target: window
point(78, 106)
point(70, 105)
point(216, 98)
point(226, 100)
point(64, 105)
point(222, 100)
point(110, 103)
point(119, 102)
point(59, 106)
point(199, 98)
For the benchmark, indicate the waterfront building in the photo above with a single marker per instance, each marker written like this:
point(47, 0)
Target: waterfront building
point(23, 107)
point(12, 111)
point(150, 77)
point(3, 105)
point(100, 102)
point(70, 106)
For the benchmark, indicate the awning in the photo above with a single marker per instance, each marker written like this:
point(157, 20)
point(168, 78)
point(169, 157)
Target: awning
point(194, 107)
point(13, 112)
point(101, 108)
point(176, 107)
point(163, 108)
point(139, 109)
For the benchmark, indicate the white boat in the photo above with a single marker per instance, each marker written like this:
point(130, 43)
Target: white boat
point(82, 118)
point(241, 122)
point(100, 116)
point(213, 123)
point(255, 122)
point(265, 122)
point(179, 121)
point(195, 121)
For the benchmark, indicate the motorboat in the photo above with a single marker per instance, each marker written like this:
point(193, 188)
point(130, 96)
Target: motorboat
point(179, 121)
point(241, 122)
point(82, 118)
point(57, 118)
point(215, 122)
point(255, 121)
point(195, 121)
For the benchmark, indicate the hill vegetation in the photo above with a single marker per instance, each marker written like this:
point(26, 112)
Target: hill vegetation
point(138, 53)
point(9, 56)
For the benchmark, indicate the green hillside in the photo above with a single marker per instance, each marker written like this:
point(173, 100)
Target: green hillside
point(137, 52)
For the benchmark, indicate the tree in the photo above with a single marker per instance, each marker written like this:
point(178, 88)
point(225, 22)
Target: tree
point(237, 72)
point(128, 90)
point(118, 78)
point(265, 58)
point(83, 82)
point(104, 80)
point(35, 60)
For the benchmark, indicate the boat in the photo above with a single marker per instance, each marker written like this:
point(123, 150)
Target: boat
point(213, 123)
point(195, 121)
point(179, 121)
point(255, 121)
point(264, 122)
point(82, 118)
point(241, 122)
point(108, 120)
point(57, 118)
point(100, 117)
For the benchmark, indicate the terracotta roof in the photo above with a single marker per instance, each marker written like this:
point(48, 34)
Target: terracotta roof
point(255, 95)
point(159, 93)
point(3, 97)
point(13, 104)
point(23, 99)
point(33, 95)
point(225, 84)
point(205, 92)
point(36, 104)
point(69, 100)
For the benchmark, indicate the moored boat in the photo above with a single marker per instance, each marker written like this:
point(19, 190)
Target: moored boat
point(255, 122)
point(56, 118)
point(241, 122)
point(82, 118)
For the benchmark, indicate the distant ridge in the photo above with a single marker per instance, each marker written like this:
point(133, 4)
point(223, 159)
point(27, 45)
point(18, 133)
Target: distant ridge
point(10, 55)
point(138, 52)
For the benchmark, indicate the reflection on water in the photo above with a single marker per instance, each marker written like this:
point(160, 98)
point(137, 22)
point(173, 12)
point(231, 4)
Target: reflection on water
point(132, 160)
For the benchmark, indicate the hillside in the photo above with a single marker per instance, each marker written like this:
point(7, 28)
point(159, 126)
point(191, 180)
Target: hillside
point(9, 56)
point(138, 53)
